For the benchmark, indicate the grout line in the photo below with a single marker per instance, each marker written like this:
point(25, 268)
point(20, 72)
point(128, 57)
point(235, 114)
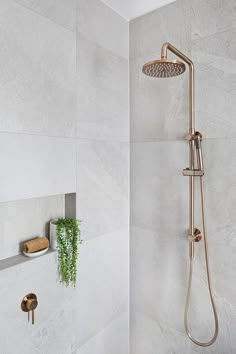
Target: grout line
point(36, 134)
point(129, 189)
point(62, 136)
point(177, 140)
point(34, 197)
point(104, 140)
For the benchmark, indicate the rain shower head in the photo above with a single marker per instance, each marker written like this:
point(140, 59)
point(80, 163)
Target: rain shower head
point(164, 68)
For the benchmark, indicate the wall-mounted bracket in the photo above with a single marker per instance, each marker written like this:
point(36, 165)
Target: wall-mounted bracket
point(195, 172)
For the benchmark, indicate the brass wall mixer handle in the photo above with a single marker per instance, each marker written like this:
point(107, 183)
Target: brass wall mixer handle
point(29, 303)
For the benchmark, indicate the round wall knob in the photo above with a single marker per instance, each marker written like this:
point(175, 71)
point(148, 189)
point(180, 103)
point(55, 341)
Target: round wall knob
point(29, 302)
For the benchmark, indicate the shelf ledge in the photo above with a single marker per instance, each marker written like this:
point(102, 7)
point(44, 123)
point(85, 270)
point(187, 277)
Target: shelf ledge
point(19, 259)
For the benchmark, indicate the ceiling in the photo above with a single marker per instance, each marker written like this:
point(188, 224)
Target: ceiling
point(130, 9)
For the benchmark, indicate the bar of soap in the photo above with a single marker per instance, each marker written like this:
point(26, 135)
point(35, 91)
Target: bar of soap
point(36, 244)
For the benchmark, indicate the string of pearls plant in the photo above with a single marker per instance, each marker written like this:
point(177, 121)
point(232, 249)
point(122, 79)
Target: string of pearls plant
point(68, 241)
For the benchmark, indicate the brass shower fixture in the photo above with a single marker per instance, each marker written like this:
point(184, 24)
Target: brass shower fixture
point(164, 68)
point(29, 304)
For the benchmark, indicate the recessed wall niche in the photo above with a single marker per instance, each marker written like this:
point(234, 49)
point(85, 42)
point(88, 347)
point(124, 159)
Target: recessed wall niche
point(22, 220)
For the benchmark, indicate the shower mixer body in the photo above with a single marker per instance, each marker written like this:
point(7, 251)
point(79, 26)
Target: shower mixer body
point(164, 68)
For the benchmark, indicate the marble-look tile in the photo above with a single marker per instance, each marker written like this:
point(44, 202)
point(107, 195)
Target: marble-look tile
point(220, 175)
point(25, 219)
point(38, 73)
point(158, 108)
point(221, 212)
point(102, 25)
point(158, 276)
point(113, 339)
point(102, 81)
point(215, 84)
point(102, 186)
point(59, 338)
point(35, 166)
point(211, 16)
point(102, 284)
point(151, 337)
point(159, 192)
point(170, 23)
point(62, 12)
point(26, 348)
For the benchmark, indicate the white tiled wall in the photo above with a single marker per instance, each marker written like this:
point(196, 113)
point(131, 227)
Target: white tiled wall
point(35, 166)
point(38, 72)
point(65, 130)
point(25, 219)
point(204, 30)
point(103, 178)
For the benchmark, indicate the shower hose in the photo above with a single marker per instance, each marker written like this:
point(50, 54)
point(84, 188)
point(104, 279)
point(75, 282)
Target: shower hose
point(202, 344)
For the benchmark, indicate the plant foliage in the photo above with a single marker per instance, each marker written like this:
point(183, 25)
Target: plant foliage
point(68, 240)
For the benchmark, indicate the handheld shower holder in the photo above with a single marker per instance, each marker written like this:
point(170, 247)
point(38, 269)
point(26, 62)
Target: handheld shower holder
point(195, 139)
point(193, 172)
point(193, 136)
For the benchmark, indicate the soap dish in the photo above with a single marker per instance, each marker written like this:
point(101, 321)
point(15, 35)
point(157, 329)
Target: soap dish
point(35, 254)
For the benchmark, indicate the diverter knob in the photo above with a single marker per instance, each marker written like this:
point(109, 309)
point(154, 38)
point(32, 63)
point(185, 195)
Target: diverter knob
point(29, 303)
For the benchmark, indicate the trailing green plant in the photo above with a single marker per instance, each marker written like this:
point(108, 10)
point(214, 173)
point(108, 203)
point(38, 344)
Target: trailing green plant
point(68, 240)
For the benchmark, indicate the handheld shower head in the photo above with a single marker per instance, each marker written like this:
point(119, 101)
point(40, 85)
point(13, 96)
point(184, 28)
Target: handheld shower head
point(164, 68)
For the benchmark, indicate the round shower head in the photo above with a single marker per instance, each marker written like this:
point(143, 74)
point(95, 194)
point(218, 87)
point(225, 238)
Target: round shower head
point(164, 68)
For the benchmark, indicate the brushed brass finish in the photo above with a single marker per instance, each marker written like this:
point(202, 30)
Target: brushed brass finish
point(196, 237)
point(194, 172)
point(29, 303)
point(166, 68)
point(171, 48)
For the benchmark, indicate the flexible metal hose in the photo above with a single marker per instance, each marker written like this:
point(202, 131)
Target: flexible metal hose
point(202, 344)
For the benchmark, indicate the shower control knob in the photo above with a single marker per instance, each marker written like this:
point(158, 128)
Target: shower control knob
point(190, 137)
point(29, 303)
point(196, 237)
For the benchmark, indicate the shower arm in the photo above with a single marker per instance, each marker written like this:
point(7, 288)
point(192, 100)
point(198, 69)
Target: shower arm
point(191, 81)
